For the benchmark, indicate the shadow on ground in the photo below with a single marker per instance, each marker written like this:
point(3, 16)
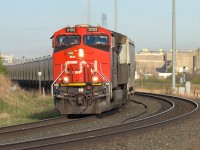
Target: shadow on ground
point(45, 115)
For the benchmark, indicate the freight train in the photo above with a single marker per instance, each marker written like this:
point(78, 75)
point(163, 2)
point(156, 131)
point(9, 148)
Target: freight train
point(26, 72)
point(91, 71)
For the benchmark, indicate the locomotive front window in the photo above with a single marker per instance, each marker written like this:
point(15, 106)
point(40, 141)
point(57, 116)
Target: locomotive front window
point(67, 40)
point(96, 39)
point(100, 42)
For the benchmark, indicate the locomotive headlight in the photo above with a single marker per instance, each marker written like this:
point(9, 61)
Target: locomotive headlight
point(81, 52)
point(80, 90)
point(95, 79)
point(66, 79)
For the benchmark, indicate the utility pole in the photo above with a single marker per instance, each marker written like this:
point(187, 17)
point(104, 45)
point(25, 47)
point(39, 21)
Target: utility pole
point(174, 45)
point(116, 16)
point(89, 8)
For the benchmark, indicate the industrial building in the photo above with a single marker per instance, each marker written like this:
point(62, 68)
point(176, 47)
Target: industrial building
point(154, 62)
point(188, 59)
point(150, 62)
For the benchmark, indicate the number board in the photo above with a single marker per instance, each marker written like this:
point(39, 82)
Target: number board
point(93, 29)
point(68, 29)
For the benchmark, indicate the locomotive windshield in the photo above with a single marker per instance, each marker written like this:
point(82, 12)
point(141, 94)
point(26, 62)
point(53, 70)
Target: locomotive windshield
point(67, 40)
point(95, 39)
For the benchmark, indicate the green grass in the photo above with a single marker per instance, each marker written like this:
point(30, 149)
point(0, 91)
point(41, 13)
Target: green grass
point(23, 106)
point(26, 109)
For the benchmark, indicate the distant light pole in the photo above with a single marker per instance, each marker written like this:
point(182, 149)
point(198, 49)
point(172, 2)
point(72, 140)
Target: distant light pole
point(184, 72)
point(116, 16)
point(174, 44)
point(104, 21)
point(89, 7)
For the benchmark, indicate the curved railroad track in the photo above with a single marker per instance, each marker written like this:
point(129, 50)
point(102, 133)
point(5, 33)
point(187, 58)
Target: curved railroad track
point(174, 108)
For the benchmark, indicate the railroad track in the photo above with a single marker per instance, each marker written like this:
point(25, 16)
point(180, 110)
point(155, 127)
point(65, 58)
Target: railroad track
point(9, 134)
point(51, 121)
point(32, 124)
point(175, 108)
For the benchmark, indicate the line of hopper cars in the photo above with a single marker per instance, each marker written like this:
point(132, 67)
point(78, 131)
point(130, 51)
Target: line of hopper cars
point(26, 72)
point(91, 71)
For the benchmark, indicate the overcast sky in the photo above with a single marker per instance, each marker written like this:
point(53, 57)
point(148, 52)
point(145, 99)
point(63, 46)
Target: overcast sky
point(27, 25)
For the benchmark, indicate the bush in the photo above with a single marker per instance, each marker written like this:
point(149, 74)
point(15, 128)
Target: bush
point(2, 67)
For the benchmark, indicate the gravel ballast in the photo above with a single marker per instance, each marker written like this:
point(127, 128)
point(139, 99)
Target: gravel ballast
point(182, 134)
point(130, 110)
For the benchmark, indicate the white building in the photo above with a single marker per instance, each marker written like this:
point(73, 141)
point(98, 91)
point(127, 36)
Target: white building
point(7, 59)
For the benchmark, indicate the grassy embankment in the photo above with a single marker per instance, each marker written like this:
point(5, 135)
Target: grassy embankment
point(22, 106)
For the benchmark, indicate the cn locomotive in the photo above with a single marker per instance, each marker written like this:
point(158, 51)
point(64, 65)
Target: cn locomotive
point(93, 69)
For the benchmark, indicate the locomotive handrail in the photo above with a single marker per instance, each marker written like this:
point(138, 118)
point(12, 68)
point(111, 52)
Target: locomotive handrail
point(55, 81)
point(110, 84)
point(102, 75)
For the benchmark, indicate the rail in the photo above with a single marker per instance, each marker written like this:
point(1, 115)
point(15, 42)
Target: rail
point(176, 110)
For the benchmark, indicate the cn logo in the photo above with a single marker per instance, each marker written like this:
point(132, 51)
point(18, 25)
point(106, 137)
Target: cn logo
point(80, 66)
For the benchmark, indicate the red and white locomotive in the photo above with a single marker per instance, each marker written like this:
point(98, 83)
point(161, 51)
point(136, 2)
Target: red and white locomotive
point(93, 69)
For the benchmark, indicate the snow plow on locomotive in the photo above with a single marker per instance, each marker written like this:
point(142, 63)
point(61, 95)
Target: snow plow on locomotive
point(93, 69)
